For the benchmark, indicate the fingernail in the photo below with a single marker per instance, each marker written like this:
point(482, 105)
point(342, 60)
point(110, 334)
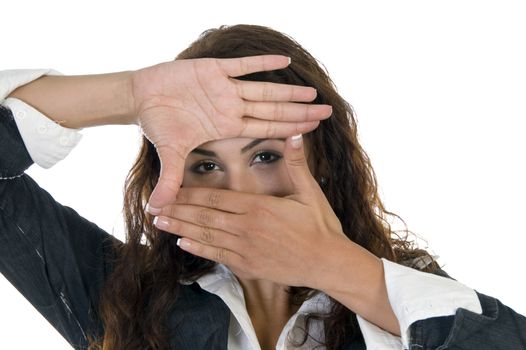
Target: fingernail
point(290, 60)
point(160, 223)
point(183, 243)
point(152, 210)
point(296, 141)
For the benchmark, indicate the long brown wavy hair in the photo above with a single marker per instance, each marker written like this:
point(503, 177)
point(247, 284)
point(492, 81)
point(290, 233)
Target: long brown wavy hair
point(144, 284)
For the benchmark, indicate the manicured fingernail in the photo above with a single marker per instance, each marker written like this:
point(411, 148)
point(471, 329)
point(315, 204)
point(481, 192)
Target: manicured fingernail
point(183, 243)
point(296, 141)
point(160, 223)
point(290, 60)
point(152, 210)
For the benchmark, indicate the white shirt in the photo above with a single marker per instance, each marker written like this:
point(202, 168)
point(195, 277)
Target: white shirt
point(413, 295)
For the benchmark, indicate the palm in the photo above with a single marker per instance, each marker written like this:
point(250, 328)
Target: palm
point(206, 107)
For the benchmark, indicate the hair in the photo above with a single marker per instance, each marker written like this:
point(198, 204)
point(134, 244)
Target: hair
point(145, 282)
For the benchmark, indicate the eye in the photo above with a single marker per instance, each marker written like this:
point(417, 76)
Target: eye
point(266, 157)
point(204, 167)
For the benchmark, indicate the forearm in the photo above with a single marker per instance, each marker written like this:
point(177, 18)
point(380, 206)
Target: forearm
point(82, 101)
point(356, 279)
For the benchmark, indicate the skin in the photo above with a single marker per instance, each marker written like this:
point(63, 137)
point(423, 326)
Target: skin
point(242, 165)
point(180, 105)
point(261, 218)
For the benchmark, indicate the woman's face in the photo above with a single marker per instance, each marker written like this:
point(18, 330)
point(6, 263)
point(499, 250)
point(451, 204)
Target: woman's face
point(240, 164)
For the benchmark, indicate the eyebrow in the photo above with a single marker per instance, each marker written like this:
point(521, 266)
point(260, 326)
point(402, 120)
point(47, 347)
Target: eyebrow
point(252, 144)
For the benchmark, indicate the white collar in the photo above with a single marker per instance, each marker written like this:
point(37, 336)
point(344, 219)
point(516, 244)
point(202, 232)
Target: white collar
point(223, 283)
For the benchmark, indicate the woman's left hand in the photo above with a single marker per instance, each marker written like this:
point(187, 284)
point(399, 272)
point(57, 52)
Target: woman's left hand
point(284, 240)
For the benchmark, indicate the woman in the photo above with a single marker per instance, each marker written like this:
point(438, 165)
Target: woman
point(280, 245)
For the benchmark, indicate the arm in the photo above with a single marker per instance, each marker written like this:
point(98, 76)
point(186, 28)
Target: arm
point(53, 256)
point(439, 312)
point(497, 327)
point(180, 105)
point(81, 101)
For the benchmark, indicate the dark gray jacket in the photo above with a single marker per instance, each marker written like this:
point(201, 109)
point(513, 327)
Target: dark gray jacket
point(59, 261)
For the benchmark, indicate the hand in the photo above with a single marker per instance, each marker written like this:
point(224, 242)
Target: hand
point(184, 103)
point(284, 240)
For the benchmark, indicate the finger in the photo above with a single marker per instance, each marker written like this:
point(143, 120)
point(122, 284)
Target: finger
point(297, 166)
point(287, 111)
point(235, 67)
point(212, 218)
point(220, 255)
point(214, 198)
point(267, 91)
point(203, 234)
point(255, 128)
point(170, 179)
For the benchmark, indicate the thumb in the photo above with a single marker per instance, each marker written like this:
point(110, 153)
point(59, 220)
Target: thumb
point(297, 166)
point(170, 179)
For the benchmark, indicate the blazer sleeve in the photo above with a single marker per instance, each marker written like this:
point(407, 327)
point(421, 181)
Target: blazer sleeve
point(437, 312)
point(57, 259)
point(498, 327)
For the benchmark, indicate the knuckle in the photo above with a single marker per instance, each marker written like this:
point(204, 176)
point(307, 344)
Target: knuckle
point(307, 111)
point(203, 217)
point(275, 111)
point(263, 63)
point(221, 255)
point(214, 198)
point(271, 130)
point(280, 111)
point(171, 211)
point(267, 92)
point(244, 65)
point(206, 235)
point(291, 93)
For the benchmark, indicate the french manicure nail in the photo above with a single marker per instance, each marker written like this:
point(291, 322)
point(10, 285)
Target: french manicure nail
point(183, 244)
point(152, 210)
point(296, 141)
point(160, 223)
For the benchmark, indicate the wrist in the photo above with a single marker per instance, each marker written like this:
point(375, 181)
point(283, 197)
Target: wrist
point(351, 271)
point(124, 81)
point(356, 280)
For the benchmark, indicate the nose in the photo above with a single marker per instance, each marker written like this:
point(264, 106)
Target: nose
point(243, 182)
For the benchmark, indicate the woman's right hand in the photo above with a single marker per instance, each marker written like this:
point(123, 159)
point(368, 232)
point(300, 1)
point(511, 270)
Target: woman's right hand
point(182, 104)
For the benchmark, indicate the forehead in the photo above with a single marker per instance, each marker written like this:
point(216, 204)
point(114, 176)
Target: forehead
point(239, 144)
point(236, 142)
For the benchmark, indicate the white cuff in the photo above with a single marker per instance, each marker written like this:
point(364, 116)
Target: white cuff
point(12, 79)
point(416, 295)
point(376, 338)
point(46, 141)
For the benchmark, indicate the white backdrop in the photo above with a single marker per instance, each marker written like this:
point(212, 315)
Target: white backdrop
point(438, 88)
